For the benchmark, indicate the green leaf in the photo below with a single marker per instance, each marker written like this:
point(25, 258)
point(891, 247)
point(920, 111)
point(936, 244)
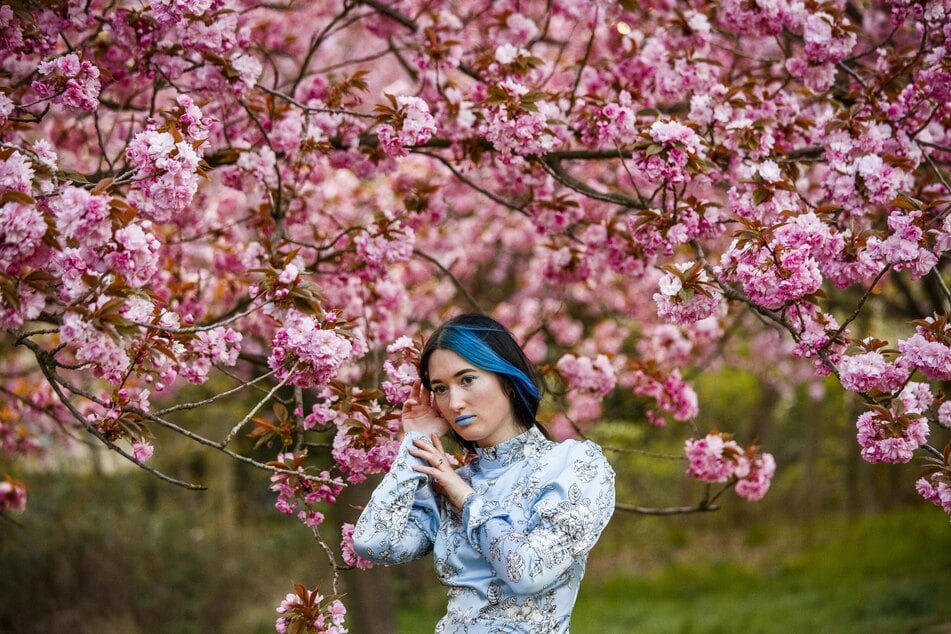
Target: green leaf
point(761, 195)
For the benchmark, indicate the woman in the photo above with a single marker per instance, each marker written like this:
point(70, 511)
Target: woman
point(511, 529)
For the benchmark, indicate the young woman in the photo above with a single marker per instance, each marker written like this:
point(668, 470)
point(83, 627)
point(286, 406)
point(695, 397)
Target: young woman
point(511, 529)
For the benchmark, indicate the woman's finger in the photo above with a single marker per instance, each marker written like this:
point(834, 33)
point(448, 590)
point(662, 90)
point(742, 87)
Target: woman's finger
point(436, 457)
point(424, 450)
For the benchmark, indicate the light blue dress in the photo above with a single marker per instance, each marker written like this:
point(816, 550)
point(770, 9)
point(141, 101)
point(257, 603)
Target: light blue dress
point(514, 557)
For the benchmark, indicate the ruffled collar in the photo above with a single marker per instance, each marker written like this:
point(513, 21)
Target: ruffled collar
point(507, 452)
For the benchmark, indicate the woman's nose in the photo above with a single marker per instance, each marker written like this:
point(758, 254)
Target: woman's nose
point(456, 400)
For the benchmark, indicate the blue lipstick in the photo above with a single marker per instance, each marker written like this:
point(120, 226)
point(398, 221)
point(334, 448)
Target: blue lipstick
point(462, 421)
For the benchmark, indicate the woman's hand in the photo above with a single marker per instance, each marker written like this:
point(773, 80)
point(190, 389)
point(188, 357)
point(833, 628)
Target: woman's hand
point(445, 480)
point(419, 413)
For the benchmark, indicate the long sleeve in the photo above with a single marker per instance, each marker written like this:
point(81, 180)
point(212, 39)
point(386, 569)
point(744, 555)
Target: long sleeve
point(400, 521)
point(569, 510)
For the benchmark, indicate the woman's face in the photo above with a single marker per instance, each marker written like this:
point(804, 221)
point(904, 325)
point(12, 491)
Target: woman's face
point(471, 400)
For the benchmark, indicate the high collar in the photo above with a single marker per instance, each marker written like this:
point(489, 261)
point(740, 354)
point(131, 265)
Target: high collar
point(511, 450)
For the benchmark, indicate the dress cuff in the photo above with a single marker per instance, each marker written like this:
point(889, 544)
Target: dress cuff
point(407, 443)
point(405, 462)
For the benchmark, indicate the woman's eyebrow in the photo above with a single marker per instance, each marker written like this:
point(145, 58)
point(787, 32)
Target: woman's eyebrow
point(456, 375)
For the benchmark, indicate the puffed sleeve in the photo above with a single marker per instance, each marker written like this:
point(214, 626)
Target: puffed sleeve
point(400, 521)
point(567, 517)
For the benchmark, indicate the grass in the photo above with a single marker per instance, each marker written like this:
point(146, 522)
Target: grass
point(886, 573)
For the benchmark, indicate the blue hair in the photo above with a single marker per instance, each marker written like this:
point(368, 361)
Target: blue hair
point(464, 341)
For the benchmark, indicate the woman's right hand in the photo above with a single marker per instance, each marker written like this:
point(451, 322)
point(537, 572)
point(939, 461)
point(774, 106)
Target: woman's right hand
point(419, 413)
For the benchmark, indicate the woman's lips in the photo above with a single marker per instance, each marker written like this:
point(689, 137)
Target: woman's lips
point(462, 421)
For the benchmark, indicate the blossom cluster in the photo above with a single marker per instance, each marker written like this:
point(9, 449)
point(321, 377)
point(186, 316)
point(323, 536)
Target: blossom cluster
point(311, 612)
point(718, 458)
point(686, 294)
point(362, 448)
point(350, 557)
point(936, 488)
point(304, 353)
point(12, 496)
point(893, 434)
point(67, 80)
point(905, 247)
point(668, 153)
point(378, 251)
point(870, 371)
point(515, 124)
point(669, 391)
point(772, 275)
point(595, 376)
point(412, 125)
point(929, 349)
point(168, 164)
point(298, 493)
point(400, 370)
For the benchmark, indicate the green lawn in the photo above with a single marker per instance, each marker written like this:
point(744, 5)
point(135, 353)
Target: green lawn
point(888, 573)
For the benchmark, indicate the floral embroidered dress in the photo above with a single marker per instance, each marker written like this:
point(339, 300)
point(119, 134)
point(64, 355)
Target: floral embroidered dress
point(514, 557)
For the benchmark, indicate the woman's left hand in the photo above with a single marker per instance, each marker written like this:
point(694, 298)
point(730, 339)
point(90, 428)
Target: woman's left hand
point(445, 480)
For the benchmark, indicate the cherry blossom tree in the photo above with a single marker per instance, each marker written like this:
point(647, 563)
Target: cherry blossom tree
point(290, 194)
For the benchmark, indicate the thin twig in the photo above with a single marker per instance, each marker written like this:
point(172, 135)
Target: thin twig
point(206, 327)
point(254, 410)
point(212, 399)
point(455, 280)
point(671, 510)
point(330, 557)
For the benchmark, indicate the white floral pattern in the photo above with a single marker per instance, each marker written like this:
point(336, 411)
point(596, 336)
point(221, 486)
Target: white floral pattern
point(514, 557)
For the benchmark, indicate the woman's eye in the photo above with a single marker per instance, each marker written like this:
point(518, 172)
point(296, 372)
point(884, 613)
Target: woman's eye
point(468, 379)
point(439, 390)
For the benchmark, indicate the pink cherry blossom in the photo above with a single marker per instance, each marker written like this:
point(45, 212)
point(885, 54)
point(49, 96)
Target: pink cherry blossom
point(718, 458)
point(141, 450)
point(679, 304)
point(931, 358)
point(755, 483)
point(944, 414)
point(887, 438)
point(775, 275)
point(415, 125)
point(346, 548)
point(916, 398)
point(305, 354)
point(12, 496)
point(868, 371)
point(903, 247)
point(596, 376)
point(936, 489)
point(68, 81)
point(710, 458)
point(361, 449)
